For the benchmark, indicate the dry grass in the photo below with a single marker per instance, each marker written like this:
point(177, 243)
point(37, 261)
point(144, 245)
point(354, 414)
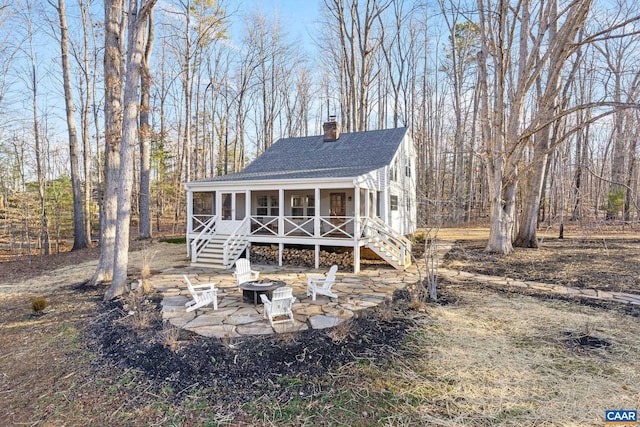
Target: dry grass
point(485, 359)
point(140, 314)
point(340, 332)
point(494, 359)
point(170, 336)
point(145, 270)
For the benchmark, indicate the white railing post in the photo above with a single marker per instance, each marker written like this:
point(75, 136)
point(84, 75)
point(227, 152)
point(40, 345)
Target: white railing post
point(316, 209)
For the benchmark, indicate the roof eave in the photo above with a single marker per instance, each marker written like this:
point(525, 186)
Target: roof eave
point(268, 182)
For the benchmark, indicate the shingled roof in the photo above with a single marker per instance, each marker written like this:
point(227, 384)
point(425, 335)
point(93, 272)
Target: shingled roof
point(352, 155)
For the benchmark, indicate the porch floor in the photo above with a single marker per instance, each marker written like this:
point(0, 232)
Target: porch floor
point(235, 318)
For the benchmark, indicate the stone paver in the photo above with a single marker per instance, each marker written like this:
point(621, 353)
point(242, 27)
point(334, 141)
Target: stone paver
point(322, 321)
point(235, 318)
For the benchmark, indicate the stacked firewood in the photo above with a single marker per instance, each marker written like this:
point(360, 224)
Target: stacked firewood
point(302, 257)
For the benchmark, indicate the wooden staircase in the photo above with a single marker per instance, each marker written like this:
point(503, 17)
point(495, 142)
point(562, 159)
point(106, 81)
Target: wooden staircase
point(212, 253)
point(392, 247)
point(215, 250)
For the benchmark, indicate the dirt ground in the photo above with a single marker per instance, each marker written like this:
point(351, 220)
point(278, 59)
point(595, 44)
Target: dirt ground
point(609, 263)
point(481, 356)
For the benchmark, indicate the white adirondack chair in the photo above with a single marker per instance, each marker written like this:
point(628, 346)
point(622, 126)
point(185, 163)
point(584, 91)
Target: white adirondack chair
point(321, 284)
point(279, 306)
point(203, 295)
point(243, 272)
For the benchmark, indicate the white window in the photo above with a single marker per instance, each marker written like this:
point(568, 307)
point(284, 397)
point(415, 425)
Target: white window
point(303, 206)
point(393, 171)
point(394, 203)
point(267, 206)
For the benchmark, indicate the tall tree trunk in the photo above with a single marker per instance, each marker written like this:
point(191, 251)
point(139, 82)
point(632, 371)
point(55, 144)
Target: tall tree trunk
point(79, 236)
point(85, 114)
point(527, 231)
point(187, 88)
point(113, 63)
point(39, 150)
point(136, 34)
point(145, 135)
point(547, 110)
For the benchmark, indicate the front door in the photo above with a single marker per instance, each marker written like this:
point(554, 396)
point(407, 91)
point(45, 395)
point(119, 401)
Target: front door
point(232, 212)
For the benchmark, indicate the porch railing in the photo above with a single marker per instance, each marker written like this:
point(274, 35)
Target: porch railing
point(337, 226)
point(236, 242)
point(302, 226)
point(200, 221)
point(207, 231)
point(265, 225)
point(298, 226)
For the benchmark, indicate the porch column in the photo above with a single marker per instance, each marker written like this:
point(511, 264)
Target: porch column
point(280, 252)
point(384, 205)
point(316, 226)
point(247, 204)
point(247, 214)
point(316, 219)
point(367, 204)
point(189, 220)
point(375, 204)
point(356, 230)
point(281, 212)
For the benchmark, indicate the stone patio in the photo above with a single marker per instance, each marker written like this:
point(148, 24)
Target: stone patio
point(235, 318)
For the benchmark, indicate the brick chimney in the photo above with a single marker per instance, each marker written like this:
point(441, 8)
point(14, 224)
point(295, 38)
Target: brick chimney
point(331, 131)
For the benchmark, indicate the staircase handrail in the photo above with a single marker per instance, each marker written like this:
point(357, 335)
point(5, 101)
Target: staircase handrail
point(393, 239)
point(385, 228)
point(235, 239)
point(200, 242)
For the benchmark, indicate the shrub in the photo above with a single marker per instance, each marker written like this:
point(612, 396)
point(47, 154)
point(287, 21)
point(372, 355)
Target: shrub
point(38, 304)
point(615, 204)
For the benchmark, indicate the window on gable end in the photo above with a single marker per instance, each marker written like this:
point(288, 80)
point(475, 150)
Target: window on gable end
point(394, 203)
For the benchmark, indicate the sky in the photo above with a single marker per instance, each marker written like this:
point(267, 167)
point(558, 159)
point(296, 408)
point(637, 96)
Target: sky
point(297, 17)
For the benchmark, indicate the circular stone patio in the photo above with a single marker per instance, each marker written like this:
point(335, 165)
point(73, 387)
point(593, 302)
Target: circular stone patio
point(235, 318)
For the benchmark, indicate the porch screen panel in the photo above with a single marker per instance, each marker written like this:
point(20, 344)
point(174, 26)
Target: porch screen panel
point(203, 203)
point(240, 206)
point(227, 208)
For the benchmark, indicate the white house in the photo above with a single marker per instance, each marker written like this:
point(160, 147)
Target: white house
point(351, 190)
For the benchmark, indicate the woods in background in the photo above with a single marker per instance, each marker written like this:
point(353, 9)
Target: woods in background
point(522, 112)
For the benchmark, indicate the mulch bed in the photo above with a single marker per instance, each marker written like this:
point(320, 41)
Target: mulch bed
point(234, 371)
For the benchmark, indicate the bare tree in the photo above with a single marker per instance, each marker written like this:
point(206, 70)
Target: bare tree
point(145, 133)
point(357, 37)
point(620, 54)
point(535, 52)
point(86, 83)
point(463, 41)
point(273, 78)
point(138, 17)
point(79, 236)
point(39, 143)
point(113, 77)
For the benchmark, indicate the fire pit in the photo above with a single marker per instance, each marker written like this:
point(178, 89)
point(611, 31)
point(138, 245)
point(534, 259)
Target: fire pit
point(252, 290)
